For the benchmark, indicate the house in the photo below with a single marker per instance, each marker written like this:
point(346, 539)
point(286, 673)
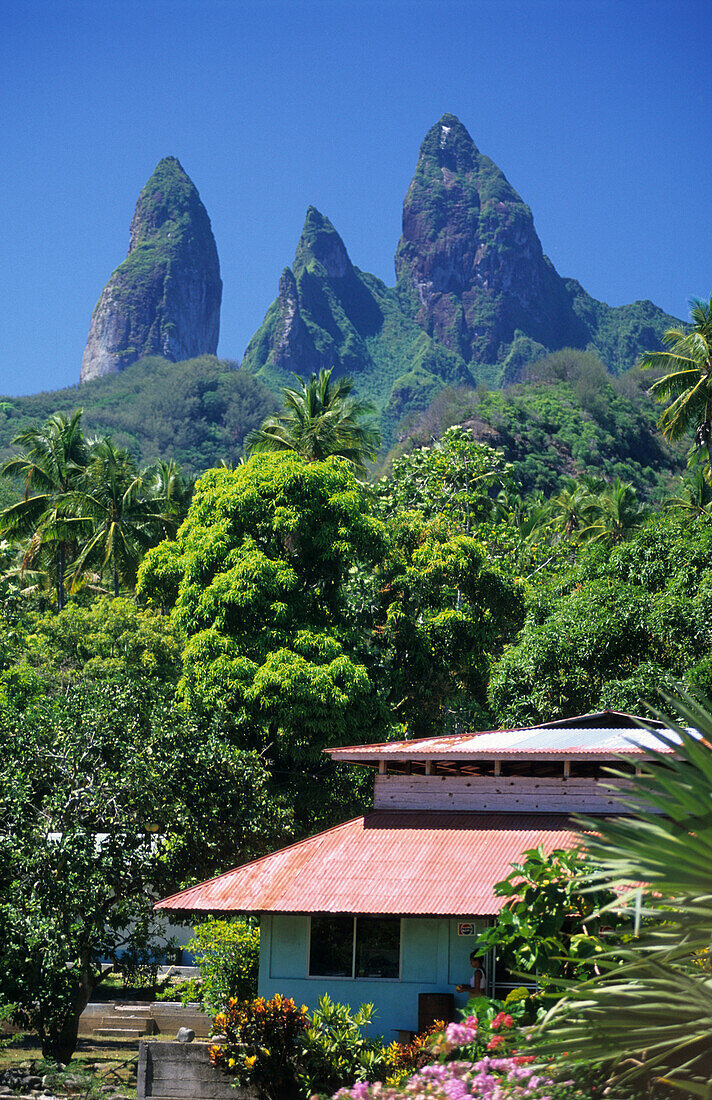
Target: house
point(387, 908)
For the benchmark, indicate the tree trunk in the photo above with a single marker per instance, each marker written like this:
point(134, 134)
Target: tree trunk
point(59, 1045)
point(116, 582)
point(59, 1038)
point(60, 578)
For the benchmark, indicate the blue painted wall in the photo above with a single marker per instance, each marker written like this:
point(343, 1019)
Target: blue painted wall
point(434, 959)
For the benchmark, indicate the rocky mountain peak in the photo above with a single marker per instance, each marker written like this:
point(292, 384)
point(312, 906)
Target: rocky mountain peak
point(320, 241)
point(449, 144)
point(164, 299)
point(469, 262)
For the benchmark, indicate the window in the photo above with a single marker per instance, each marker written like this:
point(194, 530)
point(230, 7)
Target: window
point(354, 947)
point(331, 950)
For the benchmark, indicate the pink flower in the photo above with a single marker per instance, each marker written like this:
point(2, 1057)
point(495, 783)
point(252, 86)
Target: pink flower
point(460, 1034)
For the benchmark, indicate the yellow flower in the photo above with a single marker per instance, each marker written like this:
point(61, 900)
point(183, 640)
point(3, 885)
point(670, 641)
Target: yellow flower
point(231, 1061)
point(220, 1019)
point(249, 1062)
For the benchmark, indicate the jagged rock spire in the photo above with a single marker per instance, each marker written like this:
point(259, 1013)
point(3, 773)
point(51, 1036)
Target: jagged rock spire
point(165, 297)
point(469, 264)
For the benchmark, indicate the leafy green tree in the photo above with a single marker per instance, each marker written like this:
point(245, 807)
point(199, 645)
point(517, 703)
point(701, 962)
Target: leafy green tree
point(443, 610)
point(550, 926)
point(106, 800)
point(227, 953)
point(51, 465)
point(646, 1014)
point(455, 478)
point(322, 418)
point(110, 639)
point(257, 580)
point(619, 627)
point(687, 378)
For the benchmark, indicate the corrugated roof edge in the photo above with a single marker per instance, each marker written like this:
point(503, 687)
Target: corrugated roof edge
point(635, 722)
point(164, 902)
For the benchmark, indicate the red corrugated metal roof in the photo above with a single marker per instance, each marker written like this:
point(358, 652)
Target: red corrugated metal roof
point(389, 862)
point(534, 743)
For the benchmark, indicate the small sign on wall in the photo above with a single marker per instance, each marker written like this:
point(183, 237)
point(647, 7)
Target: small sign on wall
point(466, 928)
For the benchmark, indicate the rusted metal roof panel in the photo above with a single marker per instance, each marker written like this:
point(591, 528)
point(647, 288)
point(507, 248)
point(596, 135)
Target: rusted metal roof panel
point(389, 862)
point(533, 743)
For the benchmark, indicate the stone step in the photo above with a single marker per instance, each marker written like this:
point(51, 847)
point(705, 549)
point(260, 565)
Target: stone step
point(120, 1032)
point(146, 1025)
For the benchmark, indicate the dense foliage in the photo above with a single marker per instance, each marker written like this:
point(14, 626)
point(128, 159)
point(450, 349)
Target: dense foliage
point(549, 925)
point(196, 412)
point(645, 1014)
point(566, 417)
point(616, 628)
point(227, 953)
point(156, 738)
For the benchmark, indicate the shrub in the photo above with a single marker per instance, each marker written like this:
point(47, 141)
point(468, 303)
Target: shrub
point(280, 1050)
point(228, 953)
point(334, 1052)
point(261, 1044)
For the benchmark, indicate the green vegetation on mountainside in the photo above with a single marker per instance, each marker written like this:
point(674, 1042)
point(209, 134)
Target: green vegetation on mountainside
point(197, 412)
point(329, 314)
point(476, 298)
point(569, 417)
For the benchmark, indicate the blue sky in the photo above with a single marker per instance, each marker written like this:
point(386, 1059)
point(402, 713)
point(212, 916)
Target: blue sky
point(597, 111)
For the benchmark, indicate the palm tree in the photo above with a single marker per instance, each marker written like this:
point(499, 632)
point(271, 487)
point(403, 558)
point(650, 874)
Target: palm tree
point(571, 507)
point(322, 418)
point(52, 463)
point(696, 497)
point(615, 514)
point(122, 523)
point(168, 493)
point(649, 1013)
point(687, 378)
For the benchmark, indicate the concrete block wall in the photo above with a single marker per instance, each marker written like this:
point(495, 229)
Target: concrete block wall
point(183, 1071)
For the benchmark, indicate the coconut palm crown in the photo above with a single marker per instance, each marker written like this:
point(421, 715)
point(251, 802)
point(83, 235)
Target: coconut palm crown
point(321, 418)
point(687, 381)
point(51, 465)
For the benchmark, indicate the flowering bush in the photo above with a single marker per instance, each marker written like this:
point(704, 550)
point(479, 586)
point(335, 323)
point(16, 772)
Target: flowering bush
point(261, 1043)
point(495, 1026)
point(489, 1079)
point(463, 1070)
point(283, 1052)
point(403, 1059)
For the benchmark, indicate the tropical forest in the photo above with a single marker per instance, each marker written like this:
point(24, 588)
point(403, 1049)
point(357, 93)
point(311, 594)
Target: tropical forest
point(477, 500)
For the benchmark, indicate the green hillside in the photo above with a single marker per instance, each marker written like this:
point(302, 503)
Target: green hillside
point(568, 417)
point(198, 411)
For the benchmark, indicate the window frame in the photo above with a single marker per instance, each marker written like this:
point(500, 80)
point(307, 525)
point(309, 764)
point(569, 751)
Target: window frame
point(353, 977)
